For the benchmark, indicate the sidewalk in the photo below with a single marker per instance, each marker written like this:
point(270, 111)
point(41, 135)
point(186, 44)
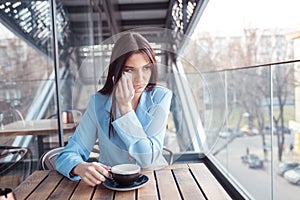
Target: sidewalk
point(294, 156)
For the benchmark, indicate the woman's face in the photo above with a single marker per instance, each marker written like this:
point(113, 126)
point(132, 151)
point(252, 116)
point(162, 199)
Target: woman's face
point(140, 68)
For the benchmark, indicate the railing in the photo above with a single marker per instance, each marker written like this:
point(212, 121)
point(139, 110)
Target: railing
point(261, 105)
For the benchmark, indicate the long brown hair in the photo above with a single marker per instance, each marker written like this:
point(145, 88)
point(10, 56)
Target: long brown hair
point(128, 44)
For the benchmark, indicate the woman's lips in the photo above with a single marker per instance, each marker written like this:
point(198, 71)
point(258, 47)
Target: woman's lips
point(139, 86)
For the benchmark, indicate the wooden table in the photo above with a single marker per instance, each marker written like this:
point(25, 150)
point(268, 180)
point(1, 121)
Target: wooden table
point(182, 181)
point(35, 127)
point(39, 128)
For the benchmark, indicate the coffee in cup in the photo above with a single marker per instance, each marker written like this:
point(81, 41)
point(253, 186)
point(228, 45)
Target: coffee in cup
point(125, 174)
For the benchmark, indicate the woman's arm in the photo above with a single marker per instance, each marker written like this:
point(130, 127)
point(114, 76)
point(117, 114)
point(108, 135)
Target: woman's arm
point(144, 139)
point(71, 161)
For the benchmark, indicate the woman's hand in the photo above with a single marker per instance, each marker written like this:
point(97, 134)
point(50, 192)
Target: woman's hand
point(92, 173)
point(124, 94)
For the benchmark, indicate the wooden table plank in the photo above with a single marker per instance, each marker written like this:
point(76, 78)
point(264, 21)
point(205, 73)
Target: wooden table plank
point(177, 166)
point(187, 185)
point(83, 191)
point(149, 190)
point(125, 195)
point(23, 190)
point(167, 185)
point(102, 192)
point(209, 184)
point(46, 187)
point(64, 190)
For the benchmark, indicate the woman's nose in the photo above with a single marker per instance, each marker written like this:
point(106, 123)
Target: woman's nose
point(139, 76)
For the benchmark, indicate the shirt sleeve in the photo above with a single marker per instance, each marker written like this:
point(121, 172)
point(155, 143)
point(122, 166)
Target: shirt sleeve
point(145, 144)
point(80, 144)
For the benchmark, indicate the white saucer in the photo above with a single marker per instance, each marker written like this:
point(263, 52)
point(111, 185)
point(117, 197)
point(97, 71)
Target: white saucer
point(111, 184)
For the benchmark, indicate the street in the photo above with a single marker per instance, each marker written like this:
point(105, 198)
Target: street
point(257, 181)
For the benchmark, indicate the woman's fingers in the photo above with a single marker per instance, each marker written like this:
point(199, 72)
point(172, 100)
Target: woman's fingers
point(130, 87)
point(91, 180)
point(124, 89)
point(106, 167)
point(96, 170)
point(87, 181)
point(102, 169)
point(123, 95)
point(124, 86)
point(94, 173)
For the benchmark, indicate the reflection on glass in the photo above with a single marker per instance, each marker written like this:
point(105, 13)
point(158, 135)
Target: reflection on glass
point(245, 142)
point(25, 67)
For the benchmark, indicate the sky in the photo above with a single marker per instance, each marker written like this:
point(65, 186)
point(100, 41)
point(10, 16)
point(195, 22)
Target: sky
point(233, 15)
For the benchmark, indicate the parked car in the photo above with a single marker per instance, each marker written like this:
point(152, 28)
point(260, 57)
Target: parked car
point(230, 132)
point(267, 129)
point(236, 132)
point(225, 134)
point(285, 166)
point(286, 130)
point(249, 131)
point(253, 161)
point(293, 175)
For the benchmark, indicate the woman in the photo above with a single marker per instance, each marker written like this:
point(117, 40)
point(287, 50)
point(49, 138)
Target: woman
point(128, 116)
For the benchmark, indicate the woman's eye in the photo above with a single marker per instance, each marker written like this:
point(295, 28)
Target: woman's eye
point(128, 70)
point(148, 67)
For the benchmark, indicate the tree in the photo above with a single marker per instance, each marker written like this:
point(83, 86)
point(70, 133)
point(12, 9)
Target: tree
point(249, 89)
point(283, 84)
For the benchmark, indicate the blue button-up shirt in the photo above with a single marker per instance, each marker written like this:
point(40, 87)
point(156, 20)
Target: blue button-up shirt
point(138, 138)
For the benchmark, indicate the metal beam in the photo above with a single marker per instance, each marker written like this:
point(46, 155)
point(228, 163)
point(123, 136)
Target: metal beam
point(143, 6)
point(113, 16)
point(77, 9)
point(139, 22)
point(201, 5)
